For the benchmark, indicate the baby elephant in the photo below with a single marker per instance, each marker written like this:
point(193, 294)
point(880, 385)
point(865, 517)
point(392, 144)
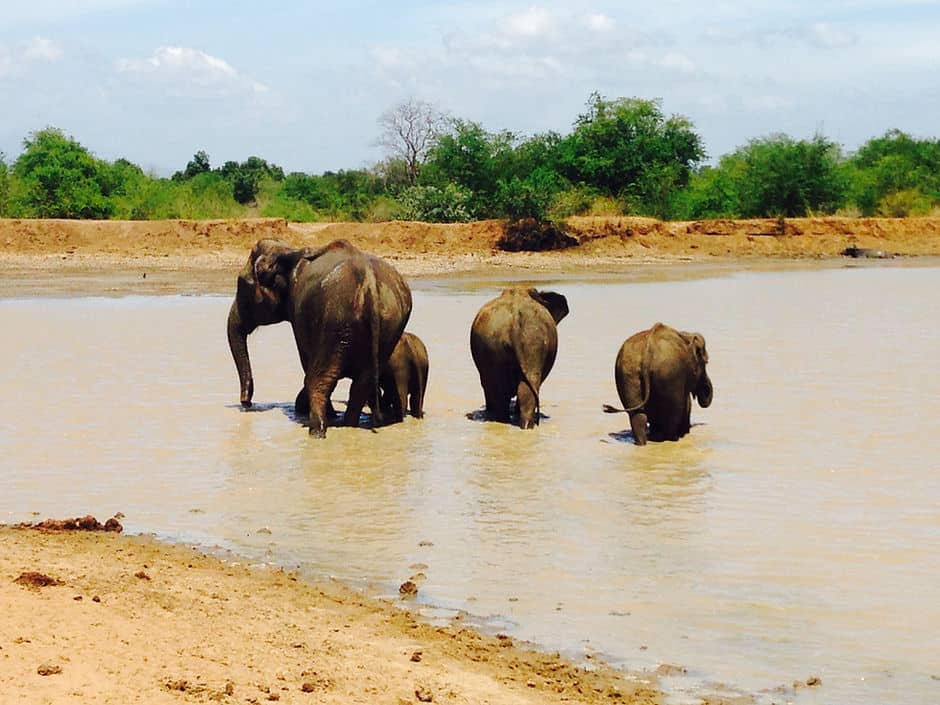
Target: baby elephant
point(405, 374)
point(513, 341)
point(657, 372)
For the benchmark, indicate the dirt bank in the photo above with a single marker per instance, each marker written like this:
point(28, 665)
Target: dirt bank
point(425, 248)
point(107, 618)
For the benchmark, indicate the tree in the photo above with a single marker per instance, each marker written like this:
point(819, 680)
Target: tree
point(4, 184)
point(199, 164)
point(894, 169)
point(627, 147)
point(473, 159)
point(768, 177)
point(409, 131)
point(785, 177)
point(60, 179)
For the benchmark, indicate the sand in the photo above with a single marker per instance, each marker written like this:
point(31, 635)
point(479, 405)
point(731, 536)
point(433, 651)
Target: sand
point(421, 249)
point(107, 618)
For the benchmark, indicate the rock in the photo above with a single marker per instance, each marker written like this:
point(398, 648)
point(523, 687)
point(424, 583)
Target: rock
point(49, 669)
point(531, 235)
point(34, 580)
point(407, 589)
point(423, 694)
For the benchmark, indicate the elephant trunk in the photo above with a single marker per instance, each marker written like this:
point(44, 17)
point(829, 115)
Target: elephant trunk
point(238, 343)
point(704, 391)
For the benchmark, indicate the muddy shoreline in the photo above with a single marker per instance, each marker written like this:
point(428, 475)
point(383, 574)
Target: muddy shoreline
point(112, 618)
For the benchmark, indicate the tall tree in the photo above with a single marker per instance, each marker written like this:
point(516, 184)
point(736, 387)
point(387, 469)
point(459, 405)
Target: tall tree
point(409, 131)
point(4, 184)
point(59, 178)
point(627, 147)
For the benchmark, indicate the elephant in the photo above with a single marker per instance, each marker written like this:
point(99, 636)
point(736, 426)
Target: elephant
point(657, 372)
point(513, 341)
point(405, 374)
point(347, 309)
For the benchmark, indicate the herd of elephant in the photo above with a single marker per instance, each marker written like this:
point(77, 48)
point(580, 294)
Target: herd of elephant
point(348, 310)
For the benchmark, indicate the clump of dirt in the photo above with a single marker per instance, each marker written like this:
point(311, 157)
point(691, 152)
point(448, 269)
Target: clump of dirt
point(34, 580)
point(85, 523)
point(531, 235)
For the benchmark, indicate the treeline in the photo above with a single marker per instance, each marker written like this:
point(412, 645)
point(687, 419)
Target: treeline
point(622, 156)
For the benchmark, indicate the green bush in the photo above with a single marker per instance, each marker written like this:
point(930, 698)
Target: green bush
point(58, 178)
point(905, 203)
point(448, 204)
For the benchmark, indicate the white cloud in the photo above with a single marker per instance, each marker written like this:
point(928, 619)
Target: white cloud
point(675, 61)
point(534, 22)
point(185, 66)
point(599, 23)
point(823, 34)
point(16, 62)
point(42, 49)
point(767, 103)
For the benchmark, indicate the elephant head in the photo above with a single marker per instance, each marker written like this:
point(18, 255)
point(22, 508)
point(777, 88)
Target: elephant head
point(702, 388)
point(556, 304)
point(261, 298)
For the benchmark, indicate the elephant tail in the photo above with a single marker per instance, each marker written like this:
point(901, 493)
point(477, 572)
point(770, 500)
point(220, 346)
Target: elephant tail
point(645, 365)
point(532, 381)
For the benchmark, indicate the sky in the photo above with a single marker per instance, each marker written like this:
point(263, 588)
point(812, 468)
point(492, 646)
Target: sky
point(303, 84)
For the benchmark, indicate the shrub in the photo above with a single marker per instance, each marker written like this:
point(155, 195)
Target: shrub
point(901, 204)
point(432, 204)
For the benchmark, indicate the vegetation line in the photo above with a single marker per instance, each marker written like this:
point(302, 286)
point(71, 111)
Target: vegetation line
point(622, 156)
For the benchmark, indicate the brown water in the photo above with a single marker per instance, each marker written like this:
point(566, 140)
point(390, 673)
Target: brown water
point(794, 533)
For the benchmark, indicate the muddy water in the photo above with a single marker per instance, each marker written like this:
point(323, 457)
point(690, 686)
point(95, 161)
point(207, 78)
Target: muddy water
point(794, 533)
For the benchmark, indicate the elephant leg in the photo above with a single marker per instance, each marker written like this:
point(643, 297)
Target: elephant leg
point(417, 398)
point(362, 391)
point(401, 392)
point(638, 426)
point(319, 385)
point(527, 403)
point(302, 403)
point(685, 423)
point(498, 393)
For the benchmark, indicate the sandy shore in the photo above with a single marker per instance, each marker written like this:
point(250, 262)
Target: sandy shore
point(130, 620)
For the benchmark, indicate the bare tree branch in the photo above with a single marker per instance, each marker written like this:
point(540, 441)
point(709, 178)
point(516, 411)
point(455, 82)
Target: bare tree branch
point(409, 131)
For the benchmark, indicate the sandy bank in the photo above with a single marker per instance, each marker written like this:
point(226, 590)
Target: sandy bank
point(131, 620)
point(427, 249)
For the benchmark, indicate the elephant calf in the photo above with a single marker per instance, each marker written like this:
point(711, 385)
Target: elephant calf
point(405, 374)
point(657, 373)
point(513, 341)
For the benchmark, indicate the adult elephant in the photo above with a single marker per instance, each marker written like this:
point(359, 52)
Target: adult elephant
point(513, 341)
point(404, 377)
point(657, 373)
point(347, 309)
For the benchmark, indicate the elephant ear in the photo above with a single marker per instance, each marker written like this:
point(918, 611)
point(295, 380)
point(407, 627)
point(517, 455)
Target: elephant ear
point(273, 265)
point(697, 344)
point(556, 304)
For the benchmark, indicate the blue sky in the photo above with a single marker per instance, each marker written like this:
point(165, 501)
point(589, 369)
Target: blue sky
point(302, 84)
